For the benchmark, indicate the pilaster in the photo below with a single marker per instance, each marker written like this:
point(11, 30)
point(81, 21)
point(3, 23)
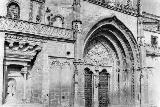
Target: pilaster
point(46, 80)
point(2, 39)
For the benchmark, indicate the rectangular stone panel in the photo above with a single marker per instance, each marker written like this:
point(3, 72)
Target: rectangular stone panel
point(61, 74)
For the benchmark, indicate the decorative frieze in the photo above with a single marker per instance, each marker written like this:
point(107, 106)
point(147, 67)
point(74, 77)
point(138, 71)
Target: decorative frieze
point(151, 22)
point(39, 1)
point(127, 8)
point(9, 25)
point(24, 39)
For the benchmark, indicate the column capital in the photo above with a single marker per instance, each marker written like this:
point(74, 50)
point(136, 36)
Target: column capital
point(24, 70)
point(78, 62)
point(97, 69)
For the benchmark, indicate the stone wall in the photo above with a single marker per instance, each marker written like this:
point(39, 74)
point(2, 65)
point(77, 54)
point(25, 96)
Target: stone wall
point(36, 79)
point(151, 73)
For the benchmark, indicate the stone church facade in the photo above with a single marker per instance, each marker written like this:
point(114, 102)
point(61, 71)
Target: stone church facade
point(78, 53)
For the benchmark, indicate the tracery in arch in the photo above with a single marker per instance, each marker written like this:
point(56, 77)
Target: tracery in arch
point(98, 53)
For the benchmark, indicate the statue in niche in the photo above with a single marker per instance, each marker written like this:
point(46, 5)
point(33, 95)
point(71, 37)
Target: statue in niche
point(11, 91)
point(57, 21)
point(13, 11)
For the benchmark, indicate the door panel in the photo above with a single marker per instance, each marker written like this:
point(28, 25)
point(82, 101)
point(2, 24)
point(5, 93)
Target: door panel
point(103, 89)
point(88, 89)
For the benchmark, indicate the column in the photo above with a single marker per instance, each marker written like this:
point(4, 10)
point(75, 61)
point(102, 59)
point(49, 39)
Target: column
point(5, 82)
point(24, 71)
point(78, 85)
point(96, 85)
point(2, 39)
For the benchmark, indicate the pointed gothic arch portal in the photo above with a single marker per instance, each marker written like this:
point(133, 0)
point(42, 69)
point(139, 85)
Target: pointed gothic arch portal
point(111, 44)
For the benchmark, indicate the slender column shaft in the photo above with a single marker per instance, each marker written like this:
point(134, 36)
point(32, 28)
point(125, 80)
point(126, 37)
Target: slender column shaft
point(5, 82)
point(96, 85)
point(24, 71)
point(24, 96)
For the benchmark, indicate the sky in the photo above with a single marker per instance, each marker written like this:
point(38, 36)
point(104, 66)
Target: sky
point(151, 6)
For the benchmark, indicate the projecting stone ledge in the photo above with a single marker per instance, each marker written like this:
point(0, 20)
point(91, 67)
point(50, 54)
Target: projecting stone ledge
point(23, 105)
point(19, 26)
point(152, 51)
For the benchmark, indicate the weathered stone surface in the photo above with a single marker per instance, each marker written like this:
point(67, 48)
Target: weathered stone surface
point(131, 61)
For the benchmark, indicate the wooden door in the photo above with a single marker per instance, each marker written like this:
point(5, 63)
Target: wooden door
point(103, 89)
point(88, 88)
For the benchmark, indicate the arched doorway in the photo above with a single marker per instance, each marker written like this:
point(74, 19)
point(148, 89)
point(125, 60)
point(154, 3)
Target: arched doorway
point(100, 54)
point(111, 46)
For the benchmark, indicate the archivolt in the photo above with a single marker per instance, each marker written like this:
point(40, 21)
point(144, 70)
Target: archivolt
point(121, 33)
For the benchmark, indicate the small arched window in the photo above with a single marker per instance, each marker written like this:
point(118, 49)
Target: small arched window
point(13, 10)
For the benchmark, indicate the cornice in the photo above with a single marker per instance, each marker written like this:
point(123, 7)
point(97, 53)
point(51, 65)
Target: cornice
point(116, 7)
point(39, 1)
point(152, 51)
point(149, 15)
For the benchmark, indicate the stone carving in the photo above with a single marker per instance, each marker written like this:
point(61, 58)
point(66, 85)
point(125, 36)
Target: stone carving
point(39, 1)
point(133, 51)
point(34, 28)
point(13, 10)
point(21, 48)
point(99, 55)
point(133, 48)
point(58, 21)
point(123, 7)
